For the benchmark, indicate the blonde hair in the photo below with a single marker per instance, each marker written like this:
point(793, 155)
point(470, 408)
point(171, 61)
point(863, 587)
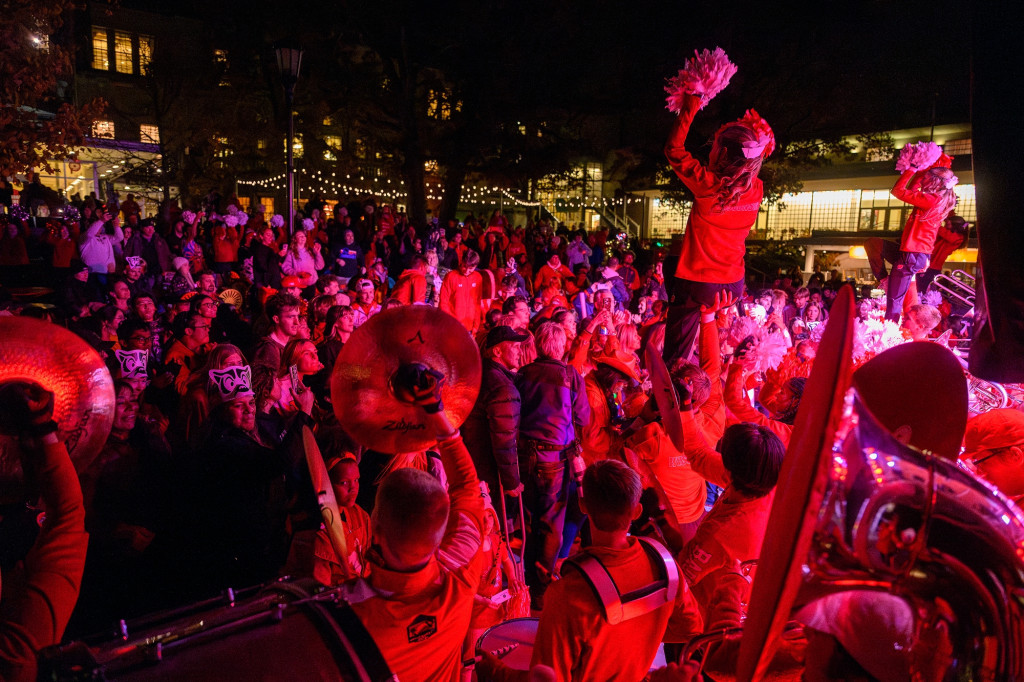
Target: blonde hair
point(551, 340)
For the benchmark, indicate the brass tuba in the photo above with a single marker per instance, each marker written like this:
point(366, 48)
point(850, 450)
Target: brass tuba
point(858, 510)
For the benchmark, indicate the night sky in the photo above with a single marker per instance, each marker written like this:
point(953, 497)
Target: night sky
point(810, 68)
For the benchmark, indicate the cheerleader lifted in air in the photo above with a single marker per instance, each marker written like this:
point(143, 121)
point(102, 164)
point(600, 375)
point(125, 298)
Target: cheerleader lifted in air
point(727, 196)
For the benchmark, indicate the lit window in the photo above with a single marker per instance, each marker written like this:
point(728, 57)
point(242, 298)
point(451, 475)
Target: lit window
point(222, 61)
point(296, 146)
point(245, 202)
point(438, 105)
point(268, 205)
point(223, 148)
point(123, 61)
point(100, 59)
point(360, 149)
point(261, 144)
point(430, 166)
point(874, 154)
point(145, 53)
point(328, 121)
point(149, 133)
point(103, 129)
point(333, 143)
point(958, 147)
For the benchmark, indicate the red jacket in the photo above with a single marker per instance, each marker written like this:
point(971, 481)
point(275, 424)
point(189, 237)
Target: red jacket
point(946, 242)
point(411, 287)
point(225, 244)
point(53, 570)
point(713, 244)
point(743, 411)
point(930, 210)
point(460, 297)
point(419, 619)
point(547, 273)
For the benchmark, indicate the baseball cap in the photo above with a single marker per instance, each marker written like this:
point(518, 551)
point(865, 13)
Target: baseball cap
point(876, 628)
point(503, 333)
point(992, 430)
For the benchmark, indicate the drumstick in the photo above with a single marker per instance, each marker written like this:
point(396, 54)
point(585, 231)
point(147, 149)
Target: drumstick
point(325, 499)
point(498, 653)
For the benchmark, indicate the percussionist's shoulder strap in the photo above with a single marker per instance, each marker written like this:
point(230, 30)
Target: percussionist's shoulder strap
point(620, 607)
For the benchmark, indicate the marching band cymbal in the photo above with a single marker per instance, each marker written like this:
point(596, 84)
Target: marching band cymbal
point(361, 391)
point(83, 390)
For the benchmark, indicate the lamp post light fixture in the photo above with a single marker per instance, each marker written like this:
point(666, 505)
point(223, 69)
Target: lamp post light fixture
point(289, 61)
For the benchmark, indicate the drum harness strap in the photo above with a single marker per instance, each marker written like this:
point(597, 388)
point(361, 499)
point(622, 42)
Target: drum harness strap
point(622, 607)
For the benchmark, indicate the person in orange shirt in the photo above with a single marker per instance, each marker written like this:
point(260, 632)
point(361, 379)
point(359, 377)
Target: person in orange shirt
point(328, 569)
point(461, 293)
point(412, 283)
point(44, 596)
point(783, 406)
point(425, 566)
point(552, 270)
point(579, 636)
point(732, 532)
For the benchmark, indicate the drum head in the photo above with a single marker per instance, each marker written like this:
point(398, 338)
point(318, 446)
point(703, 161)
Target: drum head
point(519, 631)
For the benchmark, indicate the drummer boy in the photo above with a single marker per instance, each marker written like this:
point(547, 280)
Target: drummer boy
point(328, 568)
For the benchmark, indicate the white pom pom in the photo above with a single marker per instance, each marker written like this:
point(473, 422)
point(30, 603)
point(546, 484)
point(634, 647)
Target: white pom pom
point(277, 220)
point(770, 352)
point(704, 76)
point(231, 220)
point(232, 210)
point(308, 224)
point(243, 218)
point(741, 328)
point(188, 216)
point(918, 156)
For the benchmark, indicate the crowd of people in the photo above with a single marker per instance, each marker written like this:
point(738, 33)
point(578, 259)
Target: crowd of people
point(222, 328)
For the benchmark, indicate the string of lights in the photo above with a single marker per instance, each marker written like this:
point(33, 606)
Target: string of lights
point(395, 190)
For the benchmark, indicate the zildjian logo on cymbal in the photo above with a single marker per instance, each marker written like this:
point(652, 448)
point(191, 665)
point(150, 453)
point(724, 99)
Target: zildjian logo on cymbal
point(402, 425)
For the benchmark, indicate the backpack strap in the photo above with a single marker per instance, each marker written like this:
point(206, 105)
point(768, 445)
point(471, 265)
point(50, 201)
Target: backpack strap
point(620, 607)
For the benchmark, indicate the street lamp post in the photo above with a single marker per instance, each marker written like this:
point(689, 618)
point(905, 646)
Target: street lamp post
point(289, 61)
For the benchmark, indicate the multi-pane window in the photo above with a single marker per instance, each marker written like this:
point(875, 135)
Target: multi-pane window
point(296, 146)
point(145, 53)
point(121, 51)
point(149, 133)
point(333, 143)
point(103, 129)
point(100, 58)
point(958, 147)
point(123, 61)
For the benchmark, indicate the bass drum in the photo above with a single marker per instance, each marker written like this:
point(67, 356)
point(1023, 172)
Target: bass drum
point(286, 631)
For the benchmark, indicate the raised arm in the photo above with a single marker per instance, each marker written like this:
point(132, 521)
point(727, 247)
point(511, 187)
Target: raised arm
point(913, 197)
point(689, 169)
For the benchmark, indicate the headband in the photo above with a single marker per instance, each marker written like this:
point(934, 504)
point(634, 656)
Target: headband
point(764, 145)
point(135, 261)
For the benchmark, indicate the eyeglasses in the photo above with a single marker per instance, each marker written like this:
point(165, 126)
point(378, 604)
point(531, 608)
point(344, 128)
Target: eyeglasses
point(990, 455)
point(141, 339)
point(202, 326)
